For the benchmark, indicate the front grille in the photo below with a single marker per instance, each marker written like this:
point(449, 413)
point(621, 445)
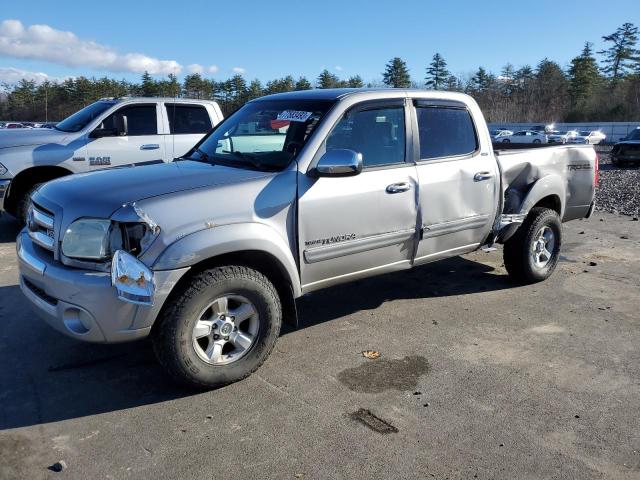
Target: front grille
point(40, 293)
point(40, 224)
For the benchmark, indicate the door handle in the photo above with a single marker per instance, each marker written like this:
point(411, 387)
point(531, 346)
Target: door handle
point(398, 187)
point(150, 146)
point(478, 177)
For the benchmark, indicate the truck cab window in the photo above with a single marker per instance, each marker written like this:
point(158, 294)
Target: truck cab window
point(378, 134)
point(141, 120)
point(445, 132)
point(185, 119)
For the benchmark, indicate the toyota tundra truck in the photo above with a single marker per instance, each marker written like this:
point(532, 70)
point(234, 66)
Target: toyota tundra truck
point(292, 193)
point(112, 132)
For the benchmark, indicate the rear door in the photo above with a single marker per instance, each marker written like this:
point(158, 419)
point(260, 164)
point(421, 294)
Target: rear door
point(188, 123)
point(458, 180)
point(351, 227)
point(141, 145)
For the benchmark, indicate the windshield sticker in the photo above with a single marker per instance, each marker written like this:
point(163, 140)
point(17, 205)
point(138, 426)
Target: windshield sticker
point(294, 115)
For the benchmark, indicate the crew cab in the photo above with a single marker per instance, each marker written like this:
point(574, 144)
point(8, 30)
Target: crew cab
point(292, 193)
point(112, 132)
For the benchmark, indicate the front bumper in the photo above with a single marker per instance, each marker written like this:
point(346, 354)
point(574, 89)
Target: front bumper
point(4, 188)
point(82, 304)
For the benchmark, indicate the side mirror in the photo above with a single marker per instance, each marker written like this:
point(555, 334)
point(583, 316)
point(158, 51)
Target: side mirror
point(103, 132)
point(121, 125)
point(338, 163)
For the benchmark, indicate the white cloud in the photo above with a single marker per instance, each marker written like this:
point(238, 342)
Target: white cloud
point(213, 69)
point(239, 70)
point(195, 68)
point(12, 75)
point(42, 42)
point(339, 68)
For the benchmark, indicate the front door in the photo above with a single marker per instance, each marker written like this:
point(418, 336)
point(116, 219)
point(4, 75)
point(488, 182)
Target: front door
point(351, 227)
point(459, 182)
point(139, 145)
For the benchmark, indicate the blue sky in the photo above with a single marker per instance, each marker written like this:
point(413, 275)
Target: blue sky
point(268, 39)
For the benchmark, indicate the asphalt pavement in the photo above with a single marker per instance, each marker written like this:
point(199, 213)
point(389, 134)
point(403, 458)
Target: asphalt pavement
point(477, 378)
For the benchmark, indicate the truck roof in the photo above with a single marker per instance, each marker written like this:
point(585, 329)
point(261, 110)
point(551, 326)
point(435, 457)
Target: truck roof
point(154, 99)
point(338, 93)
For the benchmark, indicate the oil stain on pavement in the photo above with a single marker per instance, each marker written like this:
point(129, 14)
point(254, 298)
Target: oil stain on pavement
point(379, 375)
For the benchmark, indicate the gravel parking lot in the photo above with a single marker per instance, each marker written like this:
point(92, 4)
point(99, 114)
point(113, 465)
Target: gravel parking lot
point(619, 190)
point(477, 378)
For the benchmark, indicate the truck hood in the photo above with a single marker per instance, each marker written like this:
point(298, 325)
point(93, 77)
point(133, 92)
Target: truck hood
point(99, 194)
point(26, 137)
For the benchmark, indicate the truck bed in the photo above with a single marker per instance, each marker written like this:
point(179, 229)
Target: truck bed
point(568, 168)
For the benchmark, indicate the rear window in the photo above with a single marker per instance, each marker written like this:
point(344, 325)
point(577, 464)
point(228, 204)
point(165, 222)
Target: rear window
point(188, 119)
point(445, 132)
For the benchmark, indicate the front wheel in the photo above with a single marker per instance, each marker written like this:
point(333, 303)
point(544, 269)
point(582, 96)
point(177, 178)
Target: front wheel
point(220, 328)
point(537, 141)
point(532, 254)
point(506, 140)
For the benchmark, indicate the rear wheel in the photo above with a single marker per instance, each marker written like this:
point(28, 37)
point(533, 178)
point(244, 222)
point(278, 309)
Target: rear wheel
point(220, 329)
point(532, 254)
point(537, 140)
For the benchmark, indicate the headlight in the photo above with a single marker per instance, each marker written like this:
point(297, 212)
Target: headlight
point(87, 238)
point(3, 169)
point(98, 239)
point(132, 279)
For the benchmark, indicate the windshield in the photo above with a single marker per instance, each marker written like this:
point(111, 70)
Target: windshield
point(263, 135)
point(82, 118)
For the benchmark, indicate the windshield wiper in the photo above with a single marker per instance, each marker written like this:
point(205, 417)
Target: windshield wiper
point(204, 157)
point(247, 159)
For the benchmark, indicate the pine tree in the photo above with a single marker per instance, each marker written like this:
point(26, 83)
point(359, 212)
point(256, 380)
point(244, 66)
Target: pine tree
point(584, 75)
point(255, 89)
point(437, 73)
point(303, 84)
point(396, 74)
point(622, 54)
point(355, 82)
point(148, 87)
point(326, 79)
point(481, 81)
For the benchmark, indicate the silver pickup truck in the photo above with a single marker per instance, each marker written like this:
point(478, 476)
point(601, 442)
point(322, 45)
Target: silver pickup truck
point(292, 193)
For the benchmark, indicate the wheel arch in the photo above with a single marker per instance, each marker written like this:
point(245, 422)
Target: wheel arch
point(252, 245)
point(29, 177)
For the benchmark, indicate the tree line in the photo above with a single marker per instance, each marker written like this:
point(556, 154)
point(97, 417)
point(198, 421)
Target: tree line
point(595, 86)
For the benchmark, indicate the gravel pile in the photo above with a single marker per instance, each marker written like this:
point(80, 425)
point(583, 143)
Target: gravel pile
point(619, 189)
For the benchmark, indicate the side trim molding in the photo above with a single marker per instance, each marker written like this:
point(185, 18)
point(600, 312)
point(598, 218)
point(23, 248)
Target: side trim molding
point(438, 229)
point(350, 247)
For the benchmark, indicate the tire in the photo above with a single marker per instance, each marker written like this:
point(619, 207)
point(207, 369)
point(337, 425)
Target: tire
point(519, 257)
point(22, 204)
point(614, 162)
point(183, 355)
point(506, 140)
point(537, 141)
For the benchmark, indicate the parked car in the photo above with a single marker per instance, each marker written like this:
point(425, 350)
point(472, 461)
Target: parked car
point(590, 137)
point(499, 133)
point(561, 137)
point(207, 254)
point(108, 133)
point(627, 151)
point(12, 125)
point(525, 136)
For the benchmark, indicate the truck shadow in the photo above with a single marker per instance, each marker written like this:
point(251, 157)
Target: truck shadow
point(47, 377)
point(454, 276)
